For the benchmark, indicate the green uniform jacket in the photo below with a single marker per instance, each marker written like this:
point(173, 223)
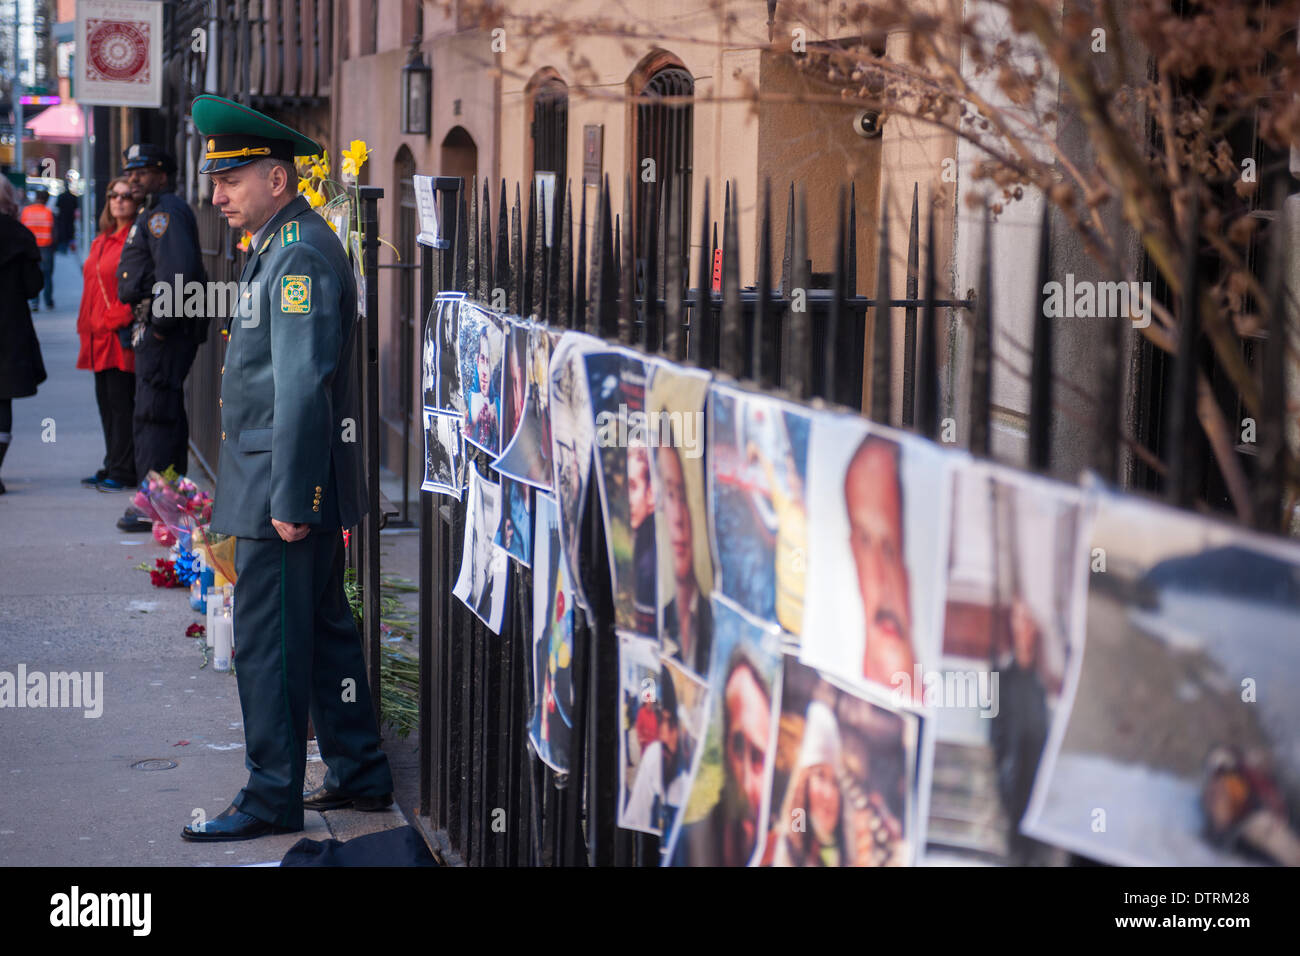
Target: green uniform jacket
point(290, 412)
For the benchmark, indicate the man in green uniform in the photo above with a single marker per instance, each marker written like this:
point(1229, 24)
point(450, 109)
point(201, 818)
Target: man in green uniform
point(289, 479)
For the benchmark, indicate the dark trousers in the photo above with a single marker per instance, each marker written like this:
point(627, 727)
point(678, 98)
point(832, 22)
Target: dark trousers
point(161, 429)
point(297, 651)
point(47, 270)
point(115, 395)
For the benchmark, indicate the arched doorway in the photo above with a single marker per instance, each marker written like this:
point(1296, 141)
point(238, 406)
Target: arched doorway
point(459, 154)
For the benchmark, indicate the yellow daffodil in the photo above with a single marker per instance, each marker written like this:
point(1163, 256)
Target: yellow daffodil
point(318, 171)
point(314, 198)
point(245, 241)
point(303, 185)
point(355, 157)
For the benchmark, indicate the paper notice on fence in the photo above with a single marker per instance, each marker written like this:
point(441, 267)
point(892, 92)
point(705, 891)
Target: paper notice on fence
point(572, 437)
point(426, 206)
point(444, 457)
point(484, 568)
point(550, 728)
point(527, 456)
point(1175, 743)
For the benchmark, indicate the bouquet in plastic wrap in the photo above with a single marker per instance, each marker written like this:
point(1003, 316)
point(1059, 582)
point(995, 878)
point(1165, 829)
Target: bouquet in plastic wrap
point(176, 506)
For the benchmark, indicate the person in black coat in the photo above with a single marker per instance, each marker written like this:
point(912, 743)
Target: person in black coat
point(21, 365)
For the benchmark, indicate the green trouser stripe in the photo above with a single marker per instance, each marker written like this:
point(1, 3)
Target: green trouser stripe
point(284, 663)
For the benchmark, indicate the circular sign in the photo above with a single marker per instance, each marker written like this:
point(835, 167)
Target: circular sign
point(118, 49)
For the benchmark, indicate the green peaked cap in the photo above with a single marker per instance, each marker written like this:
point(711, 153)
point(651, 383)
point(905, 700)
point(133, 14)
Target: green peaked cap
point(229, 127)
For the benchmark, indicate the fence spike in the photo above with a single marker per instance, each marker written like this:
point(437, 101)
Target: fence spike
point(1270, 485)
point(1182, 480)
point(703, 337)
point(765, 341)
point(981, 379)
point(515, 294)
point(472, 239)
point(733, 334)
point(578, 307)
point(460, 272)
point(674, 337)
point(539, 252)
point(485, 247)
point(625, 255)
point(563, 314)
point(909, 314)
point(528, 296)
point(653, 313)
point(927, 374)
point(501, 262)
point(1040, 369)
point(788, 251)
point(882, 327)
point(825, 350)
point(798, 381)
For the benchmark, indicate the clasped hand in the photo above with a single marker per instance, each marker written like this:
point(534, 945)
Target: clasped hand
point(290, 532)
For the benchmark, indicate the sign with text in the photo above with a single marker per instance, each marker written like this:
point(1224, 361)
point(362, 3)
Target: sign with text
point(426, 205)
point(122, 60)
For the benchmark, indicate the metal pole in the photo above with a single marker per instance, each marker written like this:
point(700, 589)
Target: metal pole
point(18, 90)
point(370, 196)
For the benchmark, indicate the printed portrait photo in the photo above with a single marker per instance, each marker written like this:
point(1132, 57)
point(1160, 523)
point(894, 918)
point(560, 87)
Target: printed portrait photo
point(675, 404)
point(514, 533)
point(1008, 624)
point(1175, 744)
point(726, 812)
point(444, 459)
point(668, 737)
point(481, 360)
point(484, 568)
point(527, 457)
point(616, 381)
point(572, 439)
point(757, 459)
point(843, 790)
point(639, 700)
point(551, 726)
point(446, 307)
point(877, 541)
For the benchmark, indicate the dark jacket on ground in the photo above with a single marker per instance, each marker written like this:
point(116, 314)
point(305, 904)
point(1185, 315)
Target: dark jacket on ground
point(21, 366)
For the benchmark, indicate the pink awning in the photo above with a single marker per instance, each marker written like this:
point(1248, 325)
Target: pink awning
point(59, 124)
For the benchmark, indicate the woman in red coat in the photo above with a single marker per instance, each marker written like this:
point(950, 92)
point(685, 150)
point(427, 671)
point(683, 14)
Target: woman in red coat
point(98, 322)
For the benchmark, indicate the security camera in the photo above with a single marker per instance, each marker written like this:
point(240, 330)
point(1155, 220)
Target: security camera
point(867, 123)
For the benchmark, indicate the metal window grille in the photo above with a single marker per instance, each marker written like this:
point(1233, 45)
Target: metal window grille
point(550, 129)
point(664, 135)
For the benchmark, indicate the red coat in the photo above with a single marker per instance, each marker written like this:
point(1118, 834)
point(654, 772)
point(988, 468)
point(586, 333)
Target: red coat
point(99, 320)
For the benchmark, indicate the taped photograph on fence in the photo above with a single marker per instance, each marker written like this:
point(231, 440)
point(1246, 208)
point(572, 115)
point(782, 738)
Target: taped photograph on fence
point(572, 437)
point(616, 380)
point(484, 569)
point(481, 360)
point(527, 457)
point(450, 395)
point(1008, 623)
point(515, 531)
point(757, 460)
point(843, 790)
point(668, 749)
point(514, 384)
point(724, 818)
point(675, 402)
point(877, 543)
point(1175, 743)
point(551, 727)
point(638, 685)
point(444, 457)
point(429, 358)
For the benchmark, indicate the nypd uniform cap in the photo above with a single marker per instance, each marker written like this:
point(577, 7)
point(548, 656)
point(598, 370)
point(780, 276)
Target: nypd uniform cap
point(147, 156)
point(234, 135)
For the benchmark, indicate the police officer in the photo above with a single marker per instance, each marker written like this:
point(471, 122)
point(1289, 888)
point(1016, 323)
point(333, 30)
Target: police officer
point(162, 244)
point(289, 480)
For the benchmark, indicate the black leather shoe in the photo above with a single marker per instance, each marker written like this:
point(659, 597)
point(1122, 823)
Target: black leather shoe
point(135, 525)
point(323, 799)
point(233, 825)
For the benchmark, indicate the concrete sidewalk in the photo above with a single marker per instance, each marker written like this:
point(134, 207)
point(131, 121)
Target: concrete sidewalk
point(71, 599)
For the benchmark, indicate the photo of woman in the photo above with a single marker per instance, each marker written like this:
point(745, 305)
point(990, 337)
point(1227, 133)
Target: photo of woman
point(482, 348)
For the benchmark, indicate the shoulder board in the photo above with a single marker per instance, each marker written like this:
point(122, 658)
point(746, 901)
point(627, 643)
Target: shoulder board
point(289, 233)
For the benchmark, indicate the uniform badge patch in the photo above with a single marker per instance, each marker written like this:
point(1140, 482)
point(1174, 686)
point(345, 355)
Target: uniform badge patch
point(295, 294)
point(265, 244)
point(158, 224)
point(288, 234)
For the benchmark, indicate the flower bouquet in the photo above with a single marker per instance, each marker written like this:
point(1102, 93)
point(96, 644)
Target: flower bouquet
point(175, 504)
